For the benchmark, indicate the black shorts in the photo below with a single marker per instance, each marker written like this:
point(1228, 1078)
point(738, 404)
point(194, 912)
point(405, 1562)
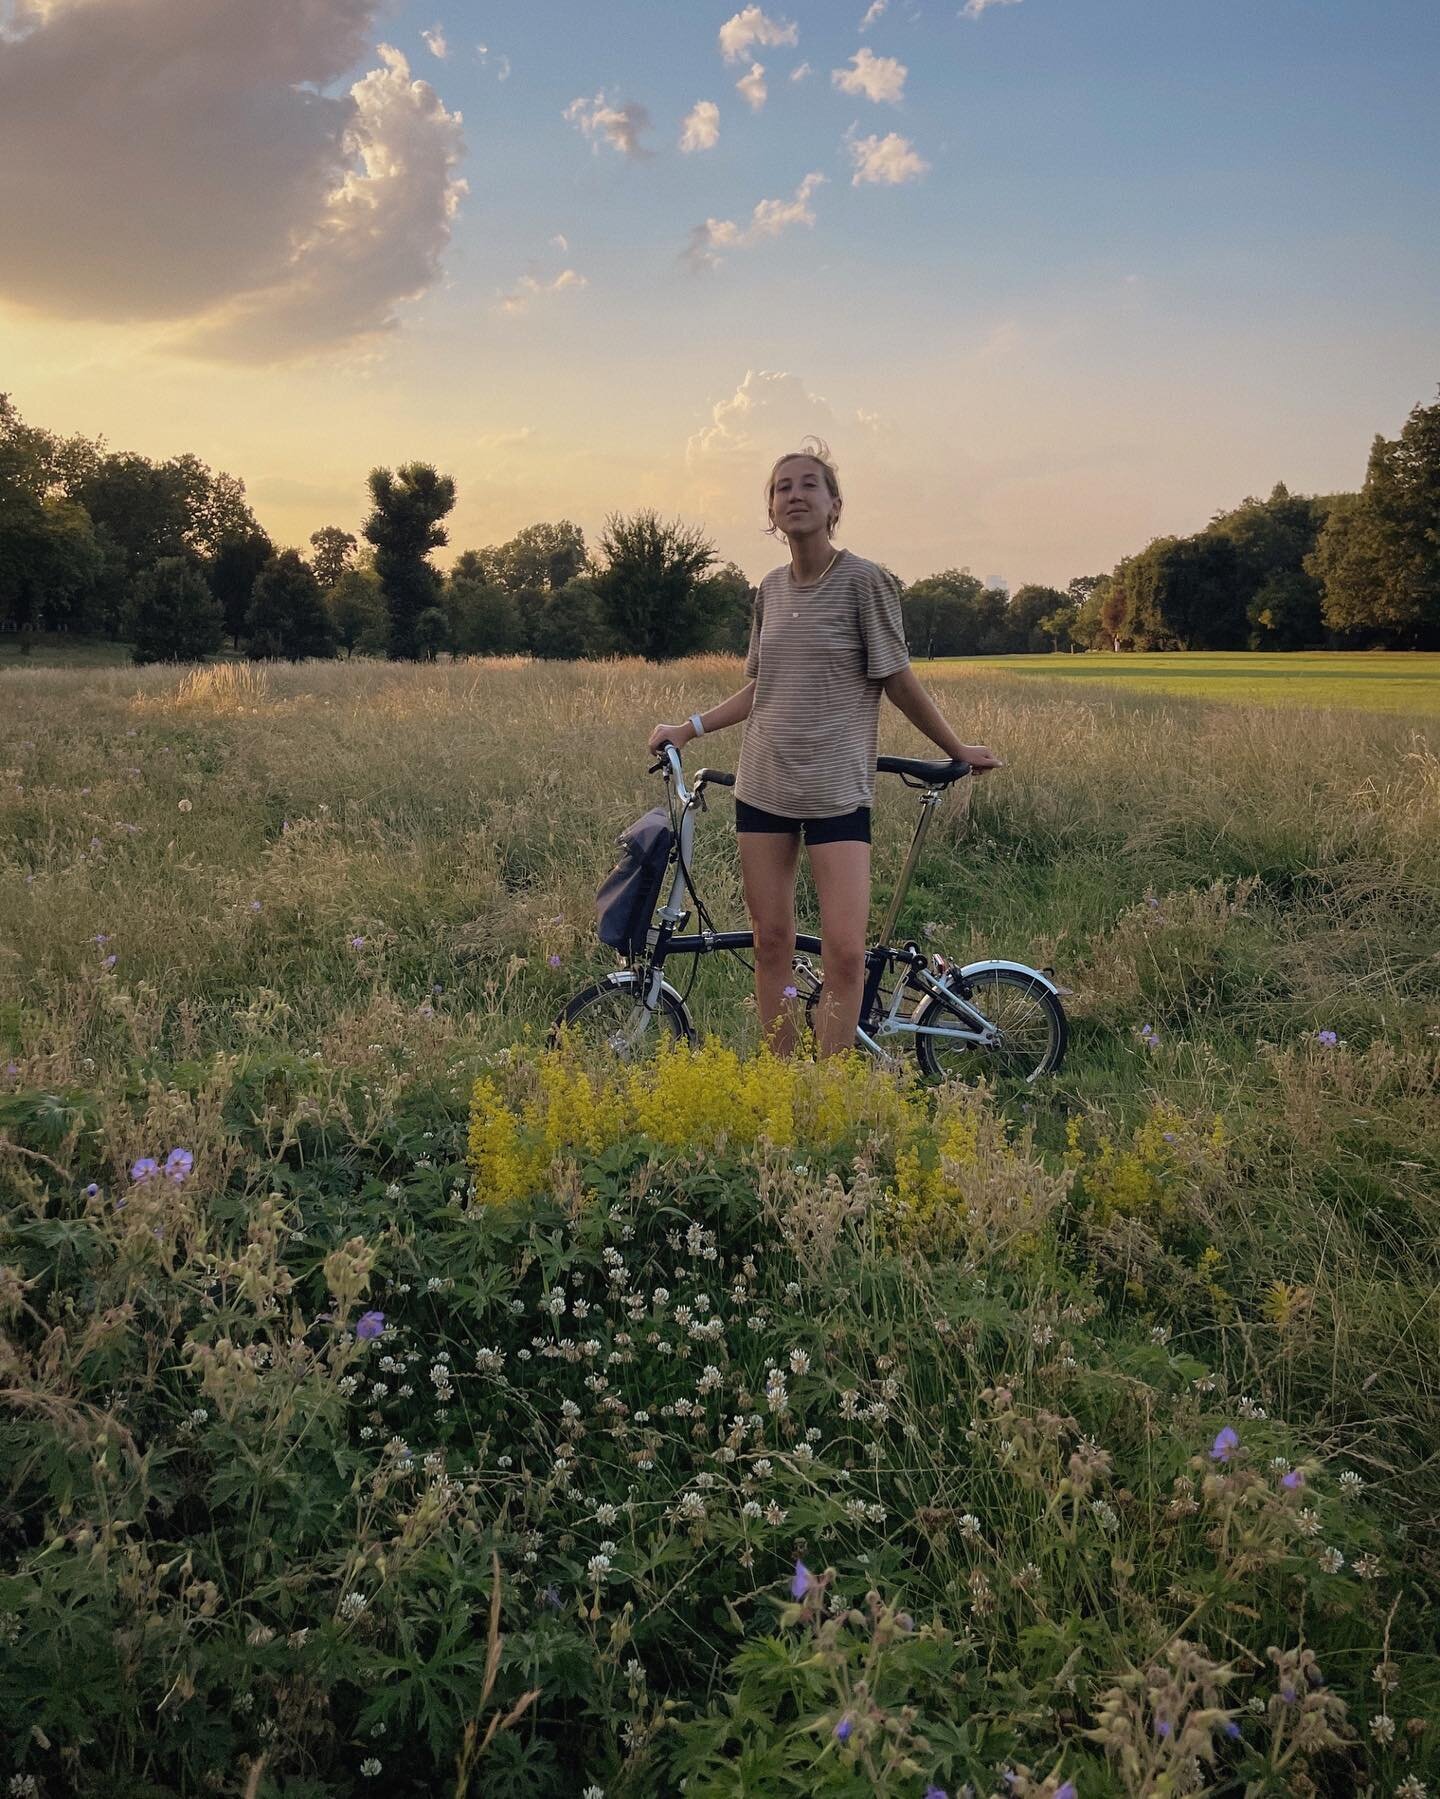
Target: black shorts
point(848, 827)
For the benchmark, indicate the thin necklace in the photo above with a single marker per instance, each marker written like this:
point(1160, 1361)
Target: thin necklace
point(819, 578)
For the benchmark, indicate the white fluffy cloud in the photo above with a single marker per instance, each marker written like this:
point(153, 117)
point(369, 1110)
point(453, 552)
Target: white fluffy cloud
point(887, 161)
point(619, 126)
point(701, 130)
point(750, 27)
point(752, 86)
point(528, 289)
point(876, 77)
point(767, 414)
point(972, 9)
point(435, 42)
point(768, 219)
point(178, 160)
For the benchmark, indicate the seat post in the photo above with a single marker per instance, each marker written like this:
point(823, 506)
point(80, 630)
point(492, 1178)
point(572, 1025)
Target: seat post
point(928, 802)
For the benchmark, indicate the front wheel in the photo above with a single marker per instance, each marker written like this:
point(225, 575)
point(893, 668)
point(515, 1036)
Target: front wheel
point(607, 1018)
point(1028, 1020)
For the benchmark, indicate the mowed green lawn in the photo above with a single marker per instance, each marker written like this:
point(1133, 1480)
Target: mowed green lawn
point(1371, 681)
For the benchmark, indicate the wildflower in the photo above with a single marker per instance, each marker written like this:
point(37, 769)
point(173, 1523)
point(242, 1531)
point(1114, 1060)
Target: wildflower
point(1066, 1790)
point(934, 1792)
point(370, 1326)
point(750, 1509)
point(370, 1767)
point(969, 1526)
point(1224, 1446)
point(554, 961)
point(178, 1164)
point(1331, 1560)
point(353, 1604)
point(844, 1729)
point(789, 992)
point(799, 1362)
point(1382, 1728)
point(254, 905)
point(1328, 1038)
point(1411, 1788)
point(1350, 1484)
point(802, 1582)
point(109, 961)
point(357, 943)
point(144, 1168)
point(1293, 1480)
point(184, 806)
point(593, 1792)
point(598, 1566)
point(91, 1190)
point(606, 1515)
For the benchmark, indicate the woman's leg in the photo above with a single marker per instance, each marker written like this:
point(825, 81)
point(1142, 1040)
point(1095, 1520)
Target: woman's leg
point(842, 885)
point(769, 861)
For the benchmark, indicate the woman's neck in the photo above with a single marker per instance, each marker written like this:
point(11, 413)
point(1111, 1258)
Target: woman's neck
point(811, 555)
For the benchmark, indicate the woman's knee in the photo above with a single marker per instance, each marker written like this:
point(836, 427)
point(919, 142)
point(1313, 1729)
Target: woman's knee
point(774, 937)
point(844, 962)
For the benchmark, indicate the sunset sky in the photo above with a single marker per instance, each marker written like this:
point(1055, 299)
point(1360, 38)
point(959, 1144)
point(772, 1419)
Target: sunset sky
point(1051, 276)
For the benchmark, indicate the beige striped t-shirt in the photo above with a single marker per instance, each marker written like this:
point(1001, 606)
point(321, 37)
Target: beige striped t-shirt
point(817, 657)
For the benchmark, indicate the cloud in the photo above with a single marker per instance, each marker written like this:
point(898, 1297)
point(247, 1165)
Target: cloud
point(768, 219)
point(800, 71)
point(767, 414)
point(701, 130)
point(876, 9)
point(527, 289)
point(560, 242)
point(435, 41)
point(752, 26)
point(876, 77)
point(752, 86)
point(619, 126)
point(972, 9)
point(887, 161)
point(178, 160)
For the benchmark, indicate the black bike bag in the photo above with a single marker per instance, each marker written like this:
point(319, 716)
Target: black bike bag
point(626, 900)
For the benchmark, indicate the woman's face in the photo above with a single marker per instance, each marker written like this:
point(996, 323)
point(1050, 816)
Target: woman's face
point(800, 500)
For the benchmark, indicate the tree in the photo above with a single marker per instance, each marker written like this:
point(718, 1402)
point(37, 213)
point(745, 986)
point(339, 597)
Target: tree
point(49, 564)
point(1031, 606)
point(1379, 552)
point(214, 502)
point(1114, 609)
point(333, 551)
point(541, 556)
point(432, 633)
point(728, 602)
point(287, 615)
point(650, 590)
point(483, 618)
point(404, 527)
point(232, 574)
point(356, 604)
point(143, 508)
point(1185, 594)
point(174, 617)
point(1272, 539)
point(938, 613)
point(568, 626)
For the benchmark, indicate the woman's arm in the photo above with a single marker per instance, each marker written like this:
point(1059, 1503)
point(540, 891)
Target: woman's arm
point(903, 687)
point(728, 712)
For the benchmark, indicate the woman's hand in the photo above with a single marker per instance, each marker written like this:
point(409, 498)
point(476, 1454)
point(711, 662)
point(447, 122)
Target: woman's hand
point(979, 758)
point(679, 735)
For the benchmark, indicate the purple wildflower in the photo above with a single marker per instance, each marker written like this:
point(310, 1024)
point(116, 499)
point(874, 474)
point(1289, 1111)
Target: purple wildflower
point(178, 1164)
point(844, 1729)
point(1066, 1791)
point(100, 936)
point(1288, 1695)
point(1232, 1729)
point(144, 1168)
point(905, 1622)
point(12, 1069)
point(934, 1792)
point(254, 905)
point(1225, 1445)
point(109, 961)
point(553, 960)
point(357, 943)
point(802, 1582)
point(1328, 1038)
point(92, 1190)
point(1293, 1479)
point(789, 992)
point(370, 1326)
point(1162, 1727)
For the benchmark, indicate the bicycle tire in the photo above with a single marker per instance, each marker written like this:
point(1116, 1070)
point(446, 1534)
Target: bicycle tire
point(611, 1002)
point(1040, 1052)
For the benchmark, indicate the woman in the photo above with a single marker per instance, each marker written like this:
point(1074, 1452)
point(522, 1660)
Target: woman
point(825, 642)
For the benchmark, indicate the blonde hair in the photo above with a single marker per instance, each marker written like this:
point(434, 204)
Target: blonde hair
point(812, 449)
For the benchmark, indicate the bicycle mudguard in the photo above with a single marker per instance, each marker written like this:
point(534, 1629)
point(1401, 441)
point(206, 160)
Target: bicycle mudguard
point(978, 968)
point(627, 977)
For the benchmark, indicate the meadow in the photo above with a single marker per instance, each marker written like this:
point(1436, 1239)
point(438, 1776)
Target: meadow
point(389, 1406)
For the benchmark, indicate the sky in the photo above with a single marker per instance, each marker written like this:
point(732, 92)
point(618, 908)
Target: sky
point(1050, 277)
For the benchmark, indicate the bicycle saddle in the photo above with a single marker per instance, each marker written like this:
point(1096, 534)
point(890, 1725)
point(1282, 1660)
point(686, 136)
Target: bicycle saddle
point(933, 774)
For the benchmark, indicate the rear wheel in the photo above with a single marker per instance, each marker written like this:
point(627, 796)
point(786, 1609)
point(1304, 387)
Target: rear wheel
point(607, 1018)
point(1029, 1021)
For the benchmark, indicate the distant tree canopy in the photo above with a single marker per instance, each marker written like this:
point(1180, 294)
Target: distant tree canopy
point(334, 552)
point(287, 615)
point(173, 615)
point(650, 588)
point(405, 527)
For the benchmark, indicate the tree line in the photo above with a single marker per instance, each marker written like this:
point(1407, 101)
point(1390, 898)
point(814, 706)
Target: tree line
point(170, 558)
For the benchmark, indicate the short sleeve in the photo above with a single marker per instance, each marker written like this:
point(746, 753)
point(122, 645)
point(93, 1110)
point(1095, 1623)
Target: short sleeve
point(752, 655)
point(882, 627)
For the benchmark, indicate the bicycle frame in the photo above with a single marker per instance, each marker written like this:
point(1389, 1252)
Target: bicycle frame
point(913, 968)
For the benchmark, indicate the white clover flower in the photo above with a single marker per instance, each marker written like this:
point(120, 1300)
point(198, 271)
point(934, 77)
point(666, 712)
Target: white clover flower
point(692, 1505)
point(606, 1515)
point(775, 1514)
point(1382, 1728)
point(855, 1509)
point(1309, 1522)
point(750, 1509)
point(969, 1526)
point(799, 1362)
point(1331, 1560)
point(490, 1361)
point(762, 1467)
point(803, 1453)
point(370, 1767)
point(1160, 1333)
point(1104, 1515)
point(353, 1604)
point(569, 1409)
point(1351, 1484)
point(593, 1792)
point(849, 1403)
point(598, 1566)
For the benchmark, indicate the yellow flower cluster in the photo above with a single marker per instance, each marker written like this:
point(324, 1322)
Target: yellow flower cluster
point(537, 1112)
point(1146, 1177)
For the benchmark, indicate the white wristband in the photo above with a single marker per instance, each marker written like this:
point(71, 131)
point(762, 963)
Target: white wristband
point(697, 724)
